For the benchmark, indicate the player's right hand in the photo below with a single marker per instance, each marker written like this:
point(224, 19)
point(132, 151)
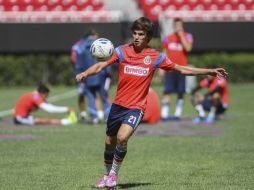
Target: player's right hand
point(80, 77)
point(219, 73)
point(179, 29)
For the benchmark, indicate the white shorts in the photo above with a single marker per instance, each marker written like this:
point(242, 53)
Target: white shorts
point(29, 120)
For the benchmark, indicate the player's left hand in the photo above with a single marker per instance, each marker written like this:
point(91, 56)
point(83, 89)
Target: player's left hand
point(219, 72)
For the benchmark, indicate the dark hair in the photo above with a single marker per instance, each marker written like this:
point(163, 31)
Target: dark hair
point(145, 24)
point(178, 19)
point(43, 89)
point(91, 32)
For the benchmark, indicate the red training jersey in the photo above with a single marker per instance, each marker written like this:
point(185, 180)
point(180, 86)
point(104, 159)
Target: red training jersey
point(174, 48)
point(27, 103)
point(135, 72)
point(212, 85)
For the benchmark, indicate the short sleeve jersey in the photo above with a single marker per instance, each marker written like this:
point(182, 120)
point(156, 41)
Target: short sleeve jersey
point(174, 48)
point(212, 85)
point(27, 103)
point(135, 72)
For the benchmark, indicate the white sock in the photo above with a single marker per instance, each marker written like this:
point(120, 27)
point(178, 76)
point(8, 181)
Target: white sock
point(212, 112)
point(179, 108)
point(164, 109)
point(83, 114)
point(100, 114)
point(95, 120)
point(65, 121)
point(200, 110)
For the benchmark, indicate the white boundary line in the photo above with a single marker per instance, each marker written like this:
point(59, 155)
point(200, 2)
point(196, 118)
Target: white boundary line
point(52, 99)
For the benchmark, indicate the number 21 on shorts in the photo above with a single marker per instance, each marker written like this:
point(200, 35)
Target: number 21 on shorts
point(132, 119)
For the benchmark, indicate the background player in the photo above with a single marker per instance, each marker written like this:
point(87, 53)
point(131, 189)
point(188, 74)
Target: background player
point(81, 87)
point(136, 65)
point(93, 86)
point(175, 46)
point(34, 100)
point(215, 100)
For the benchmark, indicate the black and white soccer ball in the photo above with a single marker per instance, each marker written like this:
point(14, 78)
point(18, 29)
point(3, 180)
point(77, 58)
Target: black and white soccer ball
point(102, 49)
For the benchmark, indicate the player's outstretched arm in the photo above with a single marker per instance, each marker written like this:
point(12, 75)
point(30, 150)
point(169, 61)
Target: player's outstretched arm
point(217, 72)
point(96, 68)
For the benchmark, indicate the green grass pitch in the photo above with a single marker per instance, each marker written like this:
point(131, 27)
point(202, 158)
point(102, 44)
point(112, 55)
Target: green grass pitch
point(71, 157)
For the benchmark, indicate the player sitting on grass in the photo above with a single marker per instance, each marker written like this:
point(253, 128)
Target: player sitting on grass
point(137, 63)
point(34, 100)
point(215, 101)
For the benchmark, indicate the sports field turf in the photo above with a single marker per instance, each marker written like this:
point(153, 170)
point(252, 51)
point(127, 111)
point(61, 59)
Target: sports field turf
point(160, 157)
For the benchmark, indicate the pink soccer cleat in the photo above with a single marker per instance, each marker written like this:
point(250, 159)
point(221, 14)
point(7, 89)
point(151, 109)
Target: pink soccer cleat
point(101, 183)
point(111, 181)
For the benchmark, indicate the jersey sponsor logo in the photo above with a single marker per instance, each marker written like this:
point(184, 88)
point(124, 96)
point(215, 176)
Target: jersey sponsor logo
point(175, 46)
point(135, 70)
point(147, 60)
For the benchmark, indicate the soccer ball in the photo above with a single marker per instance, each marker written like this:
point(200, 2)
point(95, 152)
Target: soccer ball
point(102, 49)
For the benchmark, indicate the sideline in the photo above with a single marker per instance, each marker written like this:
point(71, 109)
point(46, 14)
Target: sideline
point(51, 99)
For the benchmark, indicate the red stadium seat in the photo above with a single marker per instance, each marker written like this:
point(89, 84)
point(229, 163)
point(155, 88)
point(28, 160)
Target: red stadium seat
point(150, 7)
point(199, 7)
point(51, 5)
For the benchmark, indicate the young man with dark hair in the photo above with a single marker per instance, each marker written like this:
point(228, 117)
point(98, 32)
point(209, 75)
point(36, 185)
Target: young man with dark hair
point(37, 99)
point(136, 65)
point(175, 47)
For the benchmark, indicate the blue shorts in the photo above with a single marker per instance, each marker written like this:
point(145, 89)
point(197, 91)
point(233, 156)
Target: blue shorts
point(119, 115)
point(174, 82)
point(82, 89)
point(207, 104)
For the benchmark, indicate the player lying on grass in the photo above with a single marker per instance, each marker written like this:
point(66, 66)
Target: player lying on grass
point(34, 100)
point(137, 63)
point(215, 101)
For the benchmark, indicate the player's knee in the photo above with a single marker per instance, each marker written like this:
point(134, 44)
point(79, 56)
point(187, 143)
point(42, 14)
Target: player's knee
point(201, 98)
point(180, 95)
point(122, 140)
point(110, 142)
point(216, 96)
point(166, 98)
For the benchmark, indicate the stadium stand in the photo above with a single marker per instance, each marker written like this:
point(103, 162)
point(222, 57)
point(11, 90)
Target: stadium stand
point(200, 9)
point(51, 5)
point(111, 10)
point(130, 8)
point(56, 11)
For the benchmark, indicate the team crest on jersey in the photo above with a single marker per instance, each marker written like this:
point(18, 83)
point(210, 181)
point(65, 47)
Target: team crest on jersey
point(135, 70)
point(147, 60)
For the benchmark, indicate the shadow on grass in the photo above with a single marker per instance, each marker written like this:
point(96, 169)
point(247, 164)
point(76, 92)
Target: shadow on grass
point(131, 185)
point(128, 185)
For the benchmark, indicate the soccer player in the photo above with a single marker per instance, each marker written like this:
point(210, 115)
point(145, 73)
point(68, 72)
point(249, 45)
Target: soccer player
point(93, 86)
point(215, 101)
point(175, 46)
point(81, 87)
point(136, 65)
point(31, 101)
